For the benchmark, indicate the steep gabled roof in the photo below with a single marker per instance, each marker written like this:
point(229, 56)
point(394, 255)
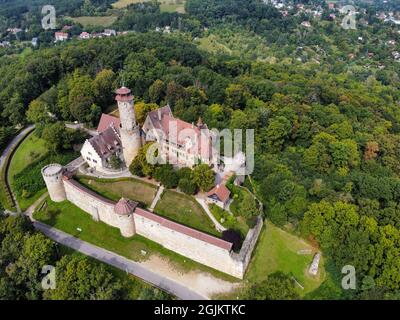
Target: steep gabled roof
point(221, 192)
point(106, 143)
point(106, 121)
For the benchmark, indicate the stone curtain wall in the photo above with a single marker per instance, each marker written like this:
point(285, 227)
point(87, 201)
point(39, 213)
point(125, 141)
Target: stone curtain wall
point(200, 247)
point(242, 259)
point(99, 209)
point(211, 255)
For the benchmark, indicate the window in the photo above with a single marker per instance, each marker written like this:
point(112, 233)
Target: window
point(94, 161)
point(87, 158)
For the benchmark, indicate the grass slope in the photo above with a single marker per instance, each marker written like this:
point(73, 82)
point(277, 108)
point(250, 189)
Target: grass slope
point(114, 189)
point(166, 5)
point(184, 209)
point(277, 250)
point(104, 21)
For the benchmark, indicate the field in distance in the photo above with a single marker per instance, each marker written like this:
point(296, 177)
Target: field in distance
point(166, 5)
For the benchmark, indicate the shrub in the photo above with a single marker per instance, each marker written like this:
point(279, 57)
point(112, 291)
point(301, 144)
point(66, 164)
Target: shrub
point(29, 180)
point(187, 186)
point(167, 176)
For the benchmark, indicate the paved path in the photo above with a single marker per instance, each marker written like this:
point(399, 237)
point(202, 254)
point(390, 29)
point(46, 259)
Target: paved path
point(125, 173)
point(13, 143)
point(81, 126)
point(157, 198)
point(112, 258)
point(119, 262)
point(203, 203)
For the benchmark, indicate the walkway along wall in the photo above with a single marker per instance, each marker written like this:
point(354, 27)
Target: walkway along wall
point(198, 246)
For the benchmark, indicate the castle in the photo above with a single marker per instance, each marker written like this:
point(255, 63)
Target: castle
point(179, 142)
point(130, 219)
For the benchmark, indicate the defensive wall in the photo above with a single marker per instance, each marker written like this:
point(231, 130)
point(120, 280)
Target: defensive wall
point(198, 246)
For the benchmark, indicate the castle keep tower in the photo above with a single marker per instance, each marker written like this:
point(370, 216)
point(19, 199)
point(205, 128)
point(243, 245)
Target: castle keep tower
point(129, 130)
point(53, 177)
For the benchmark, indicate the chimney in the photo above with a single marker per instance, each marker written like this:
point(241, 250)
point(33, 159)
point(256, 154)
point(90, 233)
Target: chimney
point(159, 114)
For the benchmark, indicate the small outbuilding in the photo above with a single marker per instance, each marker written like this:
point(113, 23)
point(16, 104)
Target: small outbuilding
point(219, 195)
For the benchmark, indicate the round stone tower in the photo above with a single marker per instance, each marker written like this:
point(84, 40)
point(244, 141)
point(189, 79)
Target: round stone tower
point(124, 210)
point(129, 130)
point(53, 177)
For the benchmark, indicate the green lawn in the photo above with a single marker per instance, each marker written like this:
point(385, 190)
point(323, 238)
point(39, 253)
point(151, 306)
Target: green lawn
point(229, 221)
point(175, 206)
point(104, 21)
point(67, 217)
point(114, 189)
point(184, 209)
point(29, 150)
point(277, 250)
point(166, 5)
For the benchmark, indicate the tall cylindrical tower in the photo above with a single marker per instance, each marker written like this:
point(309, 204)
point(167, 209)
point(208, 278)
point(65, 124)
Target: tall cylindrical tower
point(53, 177)
point(129, 130)
point(124, 210)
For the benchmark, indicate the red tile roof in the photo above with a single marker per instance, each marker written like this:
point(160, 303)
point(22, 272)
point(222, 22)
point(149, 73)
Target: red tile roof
point(106, 143)
point(221, 191)
point(123, 91)
point(125, 207)
point(106, 121)
point(185, 230)
point(199, 135)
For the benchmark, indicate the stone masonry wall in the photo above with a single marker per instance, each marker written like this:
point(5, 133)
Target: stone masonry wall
point(200, 251)
point(210, 251)
point(99, 209)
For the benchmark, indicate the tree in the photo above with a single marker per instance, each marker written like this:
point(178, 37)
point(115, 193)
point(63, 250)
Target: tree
point(156, 91)
point(248, 205)
point(142, 109)
point(37, 112)
point(187, 186)
point(277, 286)
point(167, 176)
point(140, 166)
point(115, 162)
point(57, 137)
point(277, 132)
point(80, 279)
point(103, 86)
point(81, 97)
point(203, 177)
point(236, 96)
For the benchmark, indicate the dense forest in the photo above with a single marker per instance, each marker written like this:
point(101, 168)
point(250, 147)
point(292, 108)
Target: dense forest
point(327, 126)
point(25, 251)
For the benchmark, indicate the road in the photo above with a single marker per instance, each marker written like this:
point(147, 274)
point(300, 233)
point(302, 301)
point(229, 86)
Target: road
point(6, 152)
point(13, 143)
point(98, 253)
point(119, 262)
point(81, 126)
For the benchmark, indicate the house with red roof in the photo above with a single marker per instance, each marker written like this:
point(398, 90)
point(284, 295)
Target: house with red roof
point(61, 36)
point(98, 150)
point(219, 195)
